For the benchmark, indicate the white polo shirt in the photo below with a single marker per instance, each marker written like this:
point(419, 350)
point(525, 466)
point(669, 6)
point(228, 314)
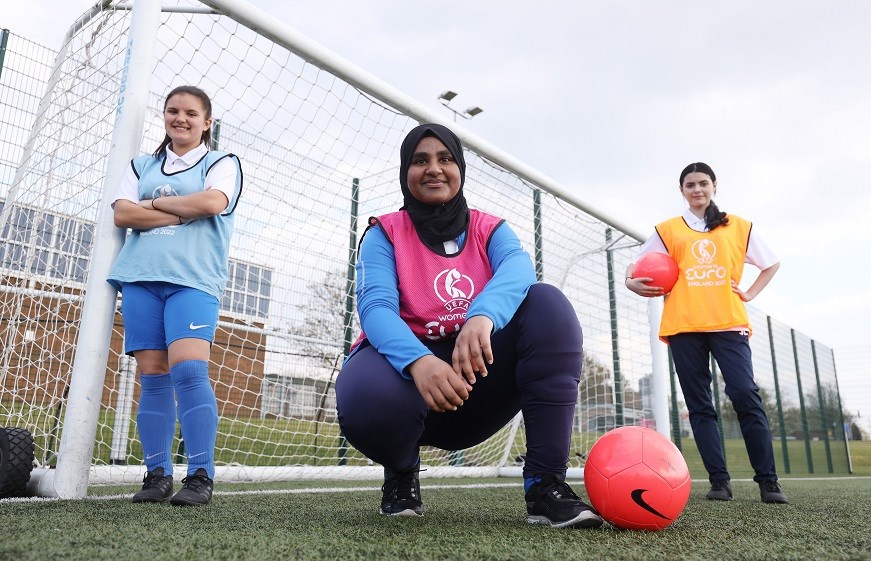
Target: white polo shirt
point(222, 176)
point(758, 253)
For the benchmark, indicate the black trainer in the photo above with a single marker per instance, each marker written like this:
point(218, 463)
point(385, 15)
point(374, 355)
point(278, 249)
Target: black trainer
point(552, 502)
point(401, 493)
point(156, 487)
point(720, 491)
point(771, 492)
point(197, 490)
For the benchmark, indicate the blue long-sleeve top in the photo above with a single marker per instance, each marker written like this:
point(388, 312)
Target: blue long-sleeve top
point(378, 292)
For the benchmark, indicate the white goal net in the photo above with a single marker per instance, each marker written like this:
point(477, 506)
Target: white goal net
point(318, 140)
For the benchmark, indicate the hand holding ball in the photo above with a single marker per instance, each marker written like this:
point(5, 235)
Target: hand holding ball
point(657, 266)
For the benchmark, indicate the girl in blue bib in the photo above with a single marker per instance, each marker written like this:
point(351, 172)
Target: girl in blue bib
point(178, 204)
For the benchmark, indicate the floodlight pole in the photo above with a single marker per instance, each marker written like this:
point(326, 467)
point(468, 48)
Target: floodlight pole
point(445, 99)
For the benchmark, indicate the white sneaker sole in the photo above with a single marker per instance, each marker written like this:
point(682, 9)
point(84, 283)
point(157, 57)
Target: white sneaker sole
point(407, 512)
point(586, 519)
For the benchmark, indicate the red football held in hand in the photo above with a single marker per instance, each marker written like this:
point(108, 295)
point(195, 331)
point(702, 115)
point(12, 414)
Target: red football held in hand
point(658, 266)
point(637, 479)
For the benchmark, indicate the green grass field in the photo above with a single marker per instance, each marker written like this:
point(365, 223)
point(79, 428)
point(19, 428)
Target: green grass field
point(833, 463)
point(860, 453)
point(293, 441)
point(467, 519)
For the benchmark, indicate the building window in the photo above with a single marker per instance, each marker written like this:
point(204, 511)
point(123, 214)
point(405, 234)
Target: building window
point(248, 290)
point(57, 246)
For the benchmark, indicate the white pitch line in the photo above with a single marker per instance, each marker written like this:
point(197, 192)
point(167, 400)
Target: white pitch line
point(300, 491)
point(322, 490)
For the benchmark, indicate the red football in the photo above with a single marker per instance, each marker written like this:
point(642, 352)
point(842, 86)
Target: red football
point(637, 479)
point(658, 266)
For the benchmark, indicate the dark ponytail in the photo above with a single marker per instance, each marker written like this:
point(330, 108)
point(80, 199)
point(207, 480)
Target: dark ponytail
point(714, 217)
point(207, 107)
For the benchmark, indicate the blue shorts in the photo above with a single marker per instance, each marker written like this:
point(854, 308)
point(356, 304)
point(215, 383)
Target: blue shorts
point(158, 313)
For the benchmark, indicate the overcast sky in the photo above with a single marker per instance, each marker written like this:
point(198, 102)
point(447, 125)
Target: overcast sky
point(612, 98)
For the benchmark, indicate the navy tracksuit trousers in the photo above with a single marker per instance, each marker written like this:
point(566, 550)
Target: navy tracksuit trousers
point(731, 350)
point(536, 369)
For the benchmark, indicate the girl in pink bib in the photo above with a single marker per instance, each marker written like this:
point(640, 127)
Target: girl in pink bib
point(458, 337)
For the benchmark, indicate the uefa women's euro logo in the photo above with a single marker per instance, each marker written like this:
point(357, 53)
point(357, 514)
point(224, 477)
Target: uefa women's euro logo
point(704, 251)
point(163, 191)
point(707, 272)
point(456, 291)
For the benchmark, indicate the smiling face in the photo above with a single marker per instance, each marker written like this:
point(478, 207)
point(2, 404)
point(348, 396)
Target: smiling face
point(185, 120)
point(433, 174)
point(698, 189)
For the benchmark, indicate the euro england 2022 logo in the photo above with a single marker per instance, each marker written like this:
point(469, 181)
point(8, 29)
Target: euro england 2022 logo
point(163, 191)
point(707, 271)
point(456, 291)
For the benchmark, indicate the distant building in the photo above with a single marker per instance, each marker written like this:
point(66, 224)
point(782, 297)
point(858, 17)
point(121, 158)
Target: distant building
point(44, 259)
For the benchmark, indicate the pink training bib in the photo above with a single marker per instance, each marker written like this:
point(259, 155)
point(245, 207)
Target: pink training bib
point(435, 291)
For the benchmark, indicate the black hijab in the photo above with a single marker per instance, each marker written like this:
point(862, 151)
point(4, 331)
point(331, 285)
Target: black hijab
point(434, 224)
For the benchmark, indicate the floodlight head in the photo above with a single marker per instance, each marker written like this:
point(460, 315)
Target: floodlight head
point(448, 95)
point(472, 111)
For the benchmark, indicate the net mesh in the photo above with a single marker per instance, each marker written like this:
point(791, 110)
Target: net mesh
point(305, 138)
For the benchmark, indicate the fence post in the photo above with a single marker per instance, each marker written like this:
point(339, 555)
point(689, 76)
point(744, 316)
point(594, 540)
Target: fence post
point(675, 414)
point(841, 415)
point(4, 39)
point(615, 340)
point(804, 424)
point(822, 404)
point(715, 382)
point(537, 226)
point(778, 399)
point(349, 294)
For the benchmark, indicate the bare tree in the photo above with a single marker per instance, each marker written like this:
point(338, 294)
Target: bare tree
point(325, 316)
point(597, 383)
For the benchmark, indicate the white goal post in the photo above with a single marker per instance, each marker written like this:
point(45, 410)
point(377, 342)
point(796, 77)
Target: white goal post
point(318, 139)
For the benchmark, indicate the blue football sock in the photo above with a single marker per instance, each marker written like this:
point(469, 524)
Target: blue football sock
point(528, 482)
point(197, 413)
point(155, 421)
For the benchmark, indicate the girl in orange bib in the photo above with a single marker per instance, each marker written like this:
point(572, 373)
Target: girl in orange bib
point(704, 315)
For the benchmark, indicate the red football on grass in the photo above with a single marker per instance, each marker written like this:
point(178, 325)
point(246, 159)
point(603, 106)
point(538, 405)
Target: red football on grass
point(637, 479)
